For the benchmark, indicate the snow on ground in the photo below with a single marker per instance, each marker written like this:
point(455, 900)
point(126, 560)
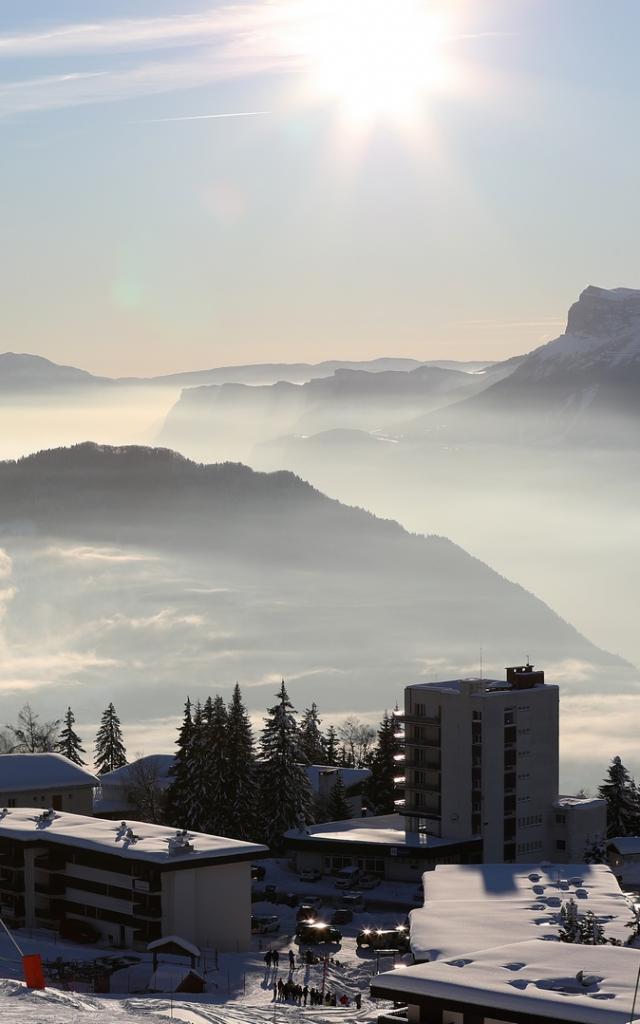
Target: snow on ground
point(239, 988)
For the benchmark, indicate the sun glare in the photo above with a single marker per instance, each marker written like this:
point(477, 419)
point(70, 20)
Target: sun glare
point(378, 58)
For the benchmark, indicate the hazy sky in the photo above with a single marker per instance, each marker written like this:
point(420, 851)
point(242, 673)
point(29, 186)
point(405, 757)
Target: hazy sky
point(440, 183)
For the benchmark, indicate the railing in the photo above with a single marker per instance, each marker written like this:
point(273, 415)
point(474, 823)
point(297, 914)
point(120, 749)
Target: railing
point(413, 719)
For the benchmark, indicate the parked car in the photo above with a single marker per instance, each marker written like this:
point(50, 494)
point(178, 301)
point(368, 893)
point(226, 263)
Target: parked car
point(310, 875)
point(306, 912)
point(384, 938)
point(353, 901)
point(342, 916)
point(369, 881)
point(261, 925)
point(257, 872)
point(312, 901)
point(347, 878)
point(291, 899)
point(317, 931)
point(78, 931)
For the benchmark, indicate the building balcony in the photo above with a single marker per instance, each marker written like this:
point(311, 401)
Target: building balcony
point(413, 719)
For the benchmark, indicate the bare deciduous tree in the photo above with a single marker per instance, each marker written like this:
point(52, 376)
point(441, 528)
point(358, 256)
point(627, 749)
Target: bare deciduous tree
point(29, 735)
point(357, 739)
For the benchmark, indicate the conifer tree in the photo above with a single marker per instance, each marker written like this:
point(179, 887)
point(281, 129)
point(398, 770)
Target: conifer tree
point(197, 781)
point(242, 779)
point(216, 768)
point(285, 793)
point(591, 931)
point(311, 740)
point(380, 788)
point(177, 795)
point(622, 800)
point(337, 804)
point(110, 751)
point(331, 752)
point(69, 743)
point(569, 922)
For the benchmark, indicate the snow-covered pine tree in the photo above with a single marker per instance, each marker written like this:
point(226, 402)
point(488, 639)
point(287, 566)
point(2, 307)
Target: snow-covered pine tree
point(110, 751)
point(177, 794)
point(337, 806)
point(311, 739)
point(331, 751)
point(217, 818)
point(242, 778)
point(569, 922)
point(285, 798)
point(591, 931)
point(380, 790)
point(69, 743)
point(197, 774)
point(622, 801)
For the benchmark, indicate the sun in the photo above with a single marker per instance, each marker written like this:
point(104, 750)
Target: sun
point(378, 59)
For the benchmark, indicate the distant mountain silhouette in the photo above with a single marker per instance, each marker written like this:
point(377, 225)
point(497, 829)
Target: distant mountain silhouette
point(20, 373)
point(582, 387)
point(278, 527)
point(227, 420)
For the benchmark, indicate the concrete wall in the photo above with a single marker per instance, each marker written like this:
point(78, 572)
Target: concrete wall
point(210, 906)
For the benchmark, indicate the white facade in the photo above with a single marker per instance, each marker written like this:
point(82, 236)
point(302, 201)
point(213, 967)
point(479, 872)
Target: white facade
point(482, 759)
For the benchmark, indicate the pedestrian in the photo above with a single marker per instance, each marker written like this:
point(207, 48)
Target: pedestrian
point(334, 1000)
point(275, 958)
point(292, 960)
point(358, 1000)
point(275, 992)
point(305, 994)
point(267, 959)
point(280, 988)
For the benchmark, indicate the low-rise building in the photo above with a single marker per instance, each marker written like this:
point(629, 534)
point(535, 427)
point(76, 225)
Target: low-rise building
point(377, 845)
point(140, 782)
point(131, 882)
point(533, 982)
point(623, 855)
point(46, 780)
point(322, 778)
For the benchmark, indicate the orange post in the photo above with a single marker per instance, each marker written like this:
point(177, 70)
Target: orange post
point(33, 973)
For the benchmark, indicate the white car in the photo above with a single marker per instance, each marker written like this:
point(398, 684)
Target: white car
point(348, 878)
point(371, 881)
point(352, 901)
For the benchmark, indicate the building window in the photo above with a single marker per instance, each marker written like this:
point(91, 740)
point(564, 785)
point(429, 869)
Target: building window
point(11, 802)
point(419, 710)
point(560, 844)
point(561, 819)
point(476, 716)
point(509, 717)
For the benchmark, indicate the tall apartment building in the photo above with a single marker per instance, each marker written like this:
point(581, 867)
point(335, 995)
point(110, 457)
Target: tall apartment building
point(481, 758)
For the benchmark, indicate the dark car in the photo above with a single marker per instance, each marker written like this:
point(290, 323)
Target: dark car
point(313, 932)
point(342, 916)
point(291, 899)
point(257, 872)
point(384, 938)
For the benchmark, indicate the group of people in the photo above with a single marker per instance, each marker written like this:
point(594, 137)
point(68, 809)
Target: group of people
point(290, 992)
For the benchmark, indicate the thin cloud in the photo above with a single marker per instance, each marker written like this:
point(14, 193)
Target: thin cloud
point(91, 554)
point(202, 117)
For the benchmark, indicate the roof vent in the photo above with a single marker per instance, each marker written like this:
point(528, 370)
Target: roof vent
point(180, 842)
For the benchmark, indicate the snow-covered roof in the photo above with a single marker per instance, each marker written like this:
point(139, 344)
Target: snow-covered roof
point(386, 829)
point(625, 844)
point(158, 764)
point(534, 978)
point(174, 940)
point(578, 801)
point(490, 904)
point(154, 843)
point(477, 686)
point(25, 772)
